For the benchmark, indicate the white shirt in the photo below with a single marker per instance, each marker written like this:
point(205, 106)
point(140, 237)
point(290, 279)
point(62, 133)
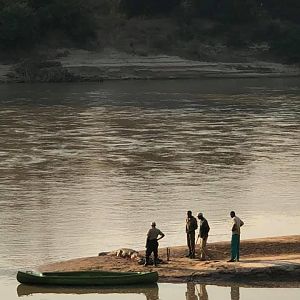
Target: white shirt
point(238, 224)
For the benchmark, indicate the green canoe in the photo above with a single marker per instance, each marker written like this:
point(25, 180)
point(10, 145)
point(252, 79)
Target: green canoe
point(80, 278)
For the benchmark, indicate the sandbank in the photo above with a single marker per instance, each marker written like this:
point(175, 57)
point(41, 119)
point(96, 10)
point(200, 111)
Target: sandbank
point(262, 260)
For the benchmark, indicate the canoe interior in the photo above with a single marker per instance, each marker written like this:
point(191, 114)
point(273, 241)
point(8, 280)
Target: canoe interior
point(90, 274)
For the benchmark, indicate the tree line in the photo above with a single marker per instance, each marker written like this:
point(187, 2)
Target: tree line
point(27, 22)
point(228, 10)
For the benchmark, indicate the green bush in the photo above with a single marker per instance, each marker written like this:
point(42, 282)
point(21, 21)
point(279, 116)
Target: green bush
point(26, 22)
point(237, 11)
point(204, 8)
point(148, 7)
point(72, 17)
point(18, 24)
point(236, 38)
point(285, 10)
point(287, 46)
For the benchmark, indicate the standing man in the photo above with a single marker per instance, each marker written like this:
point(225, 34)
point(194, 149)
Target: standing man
point(237, 223)
point(190, 227)
point(203, 235)
point(152, 243)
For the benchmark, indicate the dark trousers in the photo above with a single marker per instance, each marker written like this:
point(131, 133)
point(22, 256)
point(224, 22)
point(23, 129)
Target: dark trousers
point(190, 237)
point(152, 246)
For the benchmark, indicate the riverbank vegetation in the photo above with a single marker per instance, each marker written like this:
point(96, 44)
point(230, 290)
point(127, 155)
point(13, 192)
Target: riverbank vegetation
point(197, 29)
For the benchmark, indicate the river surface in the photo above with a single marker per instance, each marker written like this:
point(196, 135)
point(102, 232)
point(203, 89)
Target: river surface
point(86, 168)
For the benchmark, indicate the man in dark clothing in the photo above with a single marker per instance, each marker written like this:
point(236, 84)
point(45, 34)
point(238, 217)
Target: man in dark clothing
point(190, 227)
point(203, 234)
point(152, 244)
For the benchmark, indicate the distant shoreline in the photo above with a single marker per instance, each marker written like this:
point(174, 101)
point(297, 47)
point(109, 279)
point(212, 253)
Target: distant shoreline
point(263, 261)
point(109, 64)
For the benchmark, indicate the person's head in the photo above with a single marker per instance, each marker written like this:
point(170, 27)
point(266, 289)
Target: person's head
point(200, 216)
point(189, 213)
point(153, 224)
point(232, 214)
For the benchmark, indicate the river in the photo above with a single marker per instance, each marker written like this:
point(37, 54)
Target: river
point(87, 167)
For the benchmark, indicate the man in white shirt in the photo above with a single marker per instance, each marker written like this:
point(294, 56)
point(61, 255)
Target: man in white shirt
point(237, 223)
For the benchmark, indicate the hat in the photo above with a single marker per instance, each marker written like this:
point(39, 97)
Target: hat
point(153, 224)
point(200, 215)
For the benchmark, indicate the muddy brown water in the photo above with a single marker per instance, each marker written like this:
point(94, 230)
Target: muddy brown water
point(86, 168)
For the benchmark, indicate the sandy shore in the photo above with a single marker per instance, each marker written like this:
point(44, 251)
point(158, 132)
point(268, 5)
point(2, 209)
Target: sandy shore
point(110, 64)
point(267, 259)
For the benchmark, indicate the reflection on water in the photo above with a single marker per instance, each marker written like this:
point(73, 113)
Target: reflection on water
point(199, 292)
point(235, 293)
point(149, 291)
point(202, 293)
point(189, 291)
point(85, 168)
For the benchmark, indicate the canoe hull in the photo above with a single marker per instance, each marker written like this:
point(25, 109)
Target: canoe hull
point(89, 278)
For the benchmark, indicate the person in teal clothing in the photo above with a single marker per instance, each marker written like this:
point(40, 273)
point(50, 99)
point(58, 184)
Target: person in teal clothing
point(237, 223)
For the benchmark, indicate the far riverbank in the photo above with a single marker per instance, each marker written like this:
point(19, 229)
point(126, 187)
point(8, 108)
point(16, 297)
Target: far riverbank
point(77, 65)
point(262, 260)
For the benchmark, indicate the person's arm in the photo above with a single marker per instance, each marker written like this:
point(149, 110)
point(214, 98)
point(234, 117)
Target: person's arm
point(201, 228)
point(242, 223)
point(195, 223)
point(161, 236)
point(147, 238)
point(206, 228)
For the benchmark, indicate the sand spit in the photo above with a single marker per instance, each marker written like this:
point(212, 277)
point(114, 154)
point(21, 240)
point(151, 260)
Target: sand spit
point(262, 260)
